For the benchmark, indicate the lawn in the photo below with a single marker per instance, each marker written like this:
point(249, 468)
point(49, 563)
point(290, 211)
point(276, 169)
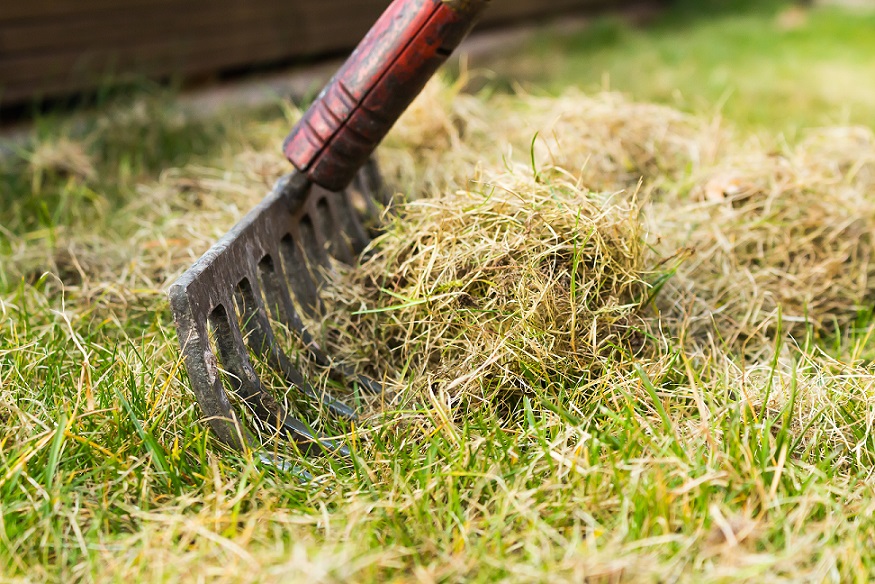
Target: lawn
point(631, 332)
point(779, 69)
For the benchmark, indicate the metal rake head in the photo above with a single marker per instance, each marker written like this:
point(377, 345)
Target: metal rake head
point(266, 270)
point(264, 267)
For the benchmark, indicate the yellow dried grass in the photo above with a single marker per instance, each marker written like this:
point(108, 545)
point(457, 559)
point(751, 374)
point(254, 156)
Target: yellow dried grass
point(784, 232)
point(456, 290)
point(511, 284)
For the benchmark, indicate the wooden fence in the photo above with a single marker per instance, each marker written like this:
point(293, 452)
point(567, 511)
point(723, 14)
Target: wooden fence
point(50, 48)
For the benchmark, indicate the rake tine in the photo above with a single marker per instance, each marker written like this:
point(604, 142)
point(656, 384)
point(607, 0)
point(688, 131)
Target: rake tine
point(326, 208)
point(249, 388)
point(300, 277)
point(204, 375)
point(262, 341)
point(294, 427)
point(279, 299)
point(331, 229)
point(352, 229)
point(283, 310)
point(314, 250)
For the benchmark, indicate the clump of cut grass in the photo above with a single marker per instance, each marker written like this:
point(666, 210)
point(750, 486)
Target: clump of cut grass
point(510, 285)
point(605, 140)
point(611, 143)
point(772, 228)
point(753, 239)
point(778, 233)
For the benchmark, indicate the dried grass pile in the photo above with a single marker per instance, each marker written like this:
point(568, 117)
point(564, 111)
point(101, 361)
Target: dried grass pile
point(512, 284)
point(777, 235)
point(605, 141)
point(540, 272)
point(611, 143)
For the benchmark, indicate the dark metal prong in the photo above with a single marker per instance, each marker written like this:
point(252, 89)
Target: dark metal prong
point(352, 229)
point(283, 310)
point(271, 263)
point(261, 340)
point(300, 277)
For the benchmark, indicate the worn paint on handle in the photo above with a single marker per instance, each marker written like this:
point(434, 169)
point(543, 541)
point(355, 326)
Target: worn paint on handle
point(378, 82)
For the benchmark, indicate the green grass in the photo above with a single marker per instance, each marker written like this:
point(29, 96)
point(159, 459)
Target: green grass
point(747, 66)
point(663, 471)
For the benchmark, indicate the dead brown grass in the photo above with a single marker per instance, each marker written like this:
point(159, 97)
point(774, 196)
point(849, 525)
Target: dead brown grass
point(510, 283)
point(777, 235)
point(540, 273)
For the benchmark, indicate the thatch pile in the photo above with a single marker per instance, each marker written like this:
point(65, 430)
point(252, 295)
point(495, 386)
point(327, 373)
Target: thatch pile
point(536, 266)
point(786, 232)
point(512, 284)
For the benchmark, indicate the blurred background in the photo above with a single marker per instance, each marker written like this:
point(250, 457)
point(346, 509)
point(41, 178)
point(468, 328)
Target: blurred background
point(52, 49)
point(65, 54)
point(158, 83)
point(776, 64)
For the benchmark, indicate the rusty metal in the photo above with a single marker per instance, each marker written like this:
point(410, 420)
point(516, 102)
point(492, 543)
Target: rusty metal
point(267, 268)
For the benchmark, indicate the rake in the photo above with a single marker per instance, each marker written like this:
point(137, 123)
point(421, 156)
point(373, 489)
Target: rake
point(267, 268)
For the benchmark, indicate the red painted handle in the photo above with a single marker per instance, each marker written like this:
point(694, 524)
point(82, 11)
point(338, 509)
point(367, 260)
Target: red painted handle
point(381, 78)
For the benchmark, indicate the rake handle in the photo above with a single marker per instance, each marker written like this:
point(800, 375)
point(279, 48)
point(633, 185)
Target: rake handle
point(377, 83)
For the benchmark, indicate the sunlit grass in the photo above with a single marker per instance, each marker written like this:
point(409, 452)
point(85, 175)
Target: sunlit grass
point(773, 69)
point(716, 458)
